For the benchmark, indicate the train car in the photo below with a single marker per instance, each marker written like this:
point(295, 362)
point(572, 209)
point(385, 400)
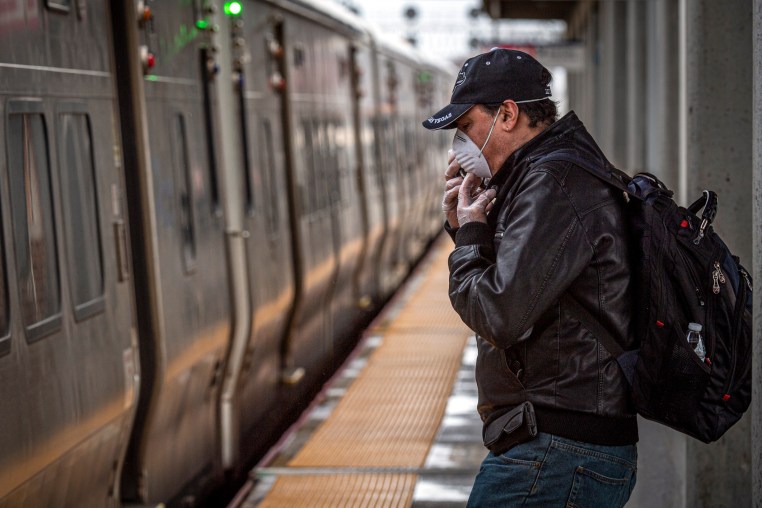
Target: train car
point(182, 289)
point(434, 84)
point(297, 89)
point(202, 203)
point(68, 344)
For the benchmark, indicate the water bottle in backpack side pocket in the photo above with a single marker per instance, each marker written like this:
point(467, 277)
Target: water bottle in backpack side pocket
point(696, 341)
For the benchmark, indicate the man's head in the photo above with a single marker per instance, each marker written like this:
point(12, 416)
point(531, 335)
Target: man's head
point(511, 90)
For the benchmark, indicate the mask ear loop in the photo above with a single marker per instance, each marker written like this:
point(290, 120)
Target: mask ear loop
point(494, 121)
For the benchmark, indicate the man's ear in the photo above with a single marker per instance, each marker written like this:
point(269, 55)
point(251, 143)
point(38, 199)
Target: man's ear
point(510, 112)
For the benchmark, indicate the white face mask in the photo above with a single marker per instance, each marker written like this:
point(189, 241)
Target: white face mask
point(469, 156)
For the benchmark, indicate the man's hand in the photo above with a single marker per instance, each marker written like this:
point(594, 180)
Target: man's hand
point(473, 204)
point(450, 201)
point(453, 169)
point(452, 185)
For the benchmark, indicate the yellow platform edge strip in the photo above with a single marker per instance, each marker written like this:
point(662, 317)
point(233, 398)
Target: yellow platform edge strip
point(390, 414)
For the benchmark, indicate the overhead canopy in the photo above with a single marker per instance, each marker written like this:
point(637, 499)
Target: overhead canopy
point(528, 9)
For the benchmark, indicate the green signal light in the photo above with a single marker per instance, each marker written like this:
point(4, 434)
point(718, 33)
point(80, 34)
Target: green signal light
point(202, 24)
point(234, 8)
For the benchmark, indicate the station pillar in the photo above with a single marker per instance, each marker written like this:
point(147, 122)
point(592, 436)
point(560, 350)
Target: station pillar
point(756, 418)
point(718, 122)
point(612, 135)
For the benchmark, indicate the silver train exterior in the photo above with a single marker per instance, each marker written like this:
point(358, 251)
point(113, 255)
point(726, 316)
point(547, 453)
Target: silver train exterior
point(198, 212)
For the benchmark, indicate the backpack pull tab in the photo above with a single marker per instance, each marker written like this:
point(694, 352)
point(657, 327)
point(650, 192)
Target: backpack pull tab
point(717, 278)
point(700, 235)
point(708, 201)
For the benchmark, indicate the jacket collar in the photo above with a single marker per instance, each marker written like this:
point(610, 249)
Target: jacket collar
point(567, 132)
point(539, 145)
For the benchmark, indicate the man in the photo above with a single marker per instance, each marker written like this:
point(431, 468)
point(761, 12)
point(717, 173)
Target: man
point(542, 245)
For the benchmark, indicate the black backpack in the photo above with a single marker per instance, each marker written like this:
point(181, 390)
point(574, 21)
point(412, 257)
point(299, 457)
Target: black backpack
point(684, 273)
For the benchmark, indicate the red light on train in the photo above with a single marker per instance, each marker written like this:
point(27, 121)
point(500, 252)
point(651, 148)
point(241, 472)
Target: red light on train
point(147, 58)
point(277, 82)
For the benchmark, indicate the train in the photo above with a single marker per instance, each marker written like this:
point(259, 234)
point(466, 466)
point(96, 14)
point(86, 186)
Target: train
point(202, 204)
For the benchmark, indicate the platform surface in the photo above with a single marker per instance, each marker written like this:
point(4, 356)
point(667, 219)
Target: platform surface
point(397, 426)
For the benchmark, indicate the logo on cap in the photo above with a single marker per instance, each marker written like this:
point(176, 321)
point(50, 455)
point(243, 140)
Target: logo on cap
point(440, 119)
point(461, 78)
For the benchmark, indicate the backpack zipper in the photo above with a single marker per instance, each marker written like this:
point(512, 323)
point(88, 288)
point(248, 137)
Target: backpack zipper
point(738, 315)
point(746, 278)
point(709, 339)
point(694, 280)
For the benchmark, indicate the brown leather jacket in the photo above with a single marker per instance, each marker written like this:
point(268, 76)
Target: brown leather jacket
point(554, 230)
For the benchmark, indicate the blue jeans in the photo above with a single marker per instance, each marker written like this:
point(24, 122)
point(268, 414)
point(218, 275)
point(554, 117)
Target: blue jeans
point(554, 471)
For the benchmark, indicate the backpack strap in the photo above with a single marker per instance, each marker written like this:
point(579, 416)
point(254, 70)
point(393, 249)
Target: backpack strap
point(613, 176)
point(593, 325)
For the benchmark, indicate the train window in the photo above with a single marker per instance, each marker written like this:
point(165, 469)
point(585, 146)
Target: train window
point(267, 163)
point(322, 167)
point(208, 126)
point(323, 182)
point(83, 239)
point(184, 188)
point(298, 54)
point(32, 211)
point(309, 203)
point(337, 164)
point(5, 343)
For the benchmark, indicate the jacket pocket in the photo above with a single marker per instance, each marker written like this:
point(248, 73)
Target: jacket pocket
point(498, 385)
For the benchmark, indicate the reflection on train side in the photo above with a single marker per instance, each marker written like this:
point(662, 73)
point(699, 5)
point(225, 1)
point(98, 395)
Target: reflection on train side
point(171, 298)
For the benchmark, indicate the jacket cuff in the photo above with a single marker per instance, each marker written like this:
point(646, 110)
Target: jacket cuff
point(450, 230)
point(473, 233)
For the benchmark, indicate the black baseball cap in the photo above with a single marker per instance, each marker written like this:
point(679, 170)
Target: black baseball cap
point(491, 78)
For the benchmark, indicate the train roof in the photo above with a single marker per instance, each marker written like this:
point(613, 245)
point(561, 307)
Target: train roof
point(338, 14)
point(438, 63)
point(393, 44)
point(386, 43)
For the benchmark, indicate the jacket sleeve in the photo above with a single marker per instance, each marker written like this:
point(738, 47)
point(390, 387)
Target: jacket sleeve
point(544, 248)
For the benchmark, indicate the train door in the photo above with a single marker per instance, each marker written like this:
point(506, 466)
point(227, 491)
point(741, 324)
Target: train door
point(369, 174)
point(430, 84)
point(388, 128)
point(307, 345)
point(67, 351)
point(182, 287)
point(410, 246)
point(347, 202)
point(260, 88)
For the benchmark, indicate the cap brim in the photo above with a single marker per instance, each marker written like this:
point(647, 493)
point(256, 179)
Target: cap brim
point(446, 117)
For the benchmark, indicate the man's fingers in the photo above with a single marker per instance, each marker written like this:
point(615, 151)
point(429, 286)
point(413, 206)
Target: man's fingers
point(465, 193)
point(485, 198)
point(453, 166)
point(470, 182)
point(451, 196)
point(452, 170)
point(453, 182)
